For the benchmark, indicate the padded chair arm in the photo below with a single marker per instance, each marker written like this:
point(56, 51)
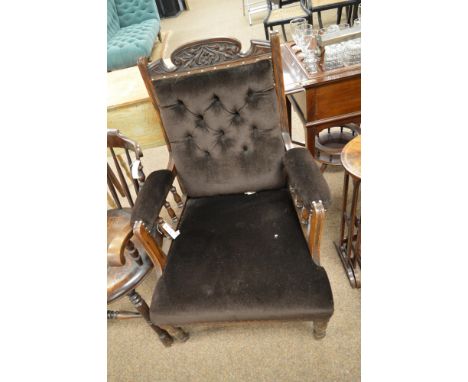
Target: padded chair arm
point(151, 197)
point(305, 177)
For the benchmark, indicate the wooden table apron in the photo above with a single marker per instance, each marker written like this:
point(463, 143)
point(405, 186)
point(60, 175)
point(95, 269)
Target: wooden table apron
point(322, 100)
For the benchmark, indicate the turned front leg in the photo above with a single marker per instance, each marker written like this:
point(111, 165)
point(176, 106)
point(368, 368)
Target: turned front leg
point(177, 332)
point(320, 328)
point(143, 308)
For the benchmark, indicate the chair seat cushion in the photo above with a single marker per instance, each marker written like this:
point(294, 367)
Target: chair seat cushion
point(240, 257)
point(129, 43)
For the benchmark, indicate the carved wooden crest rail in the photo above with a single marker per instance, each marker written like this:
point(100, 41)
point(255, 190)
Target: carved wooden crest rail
point(208, 54)
point(204, 54)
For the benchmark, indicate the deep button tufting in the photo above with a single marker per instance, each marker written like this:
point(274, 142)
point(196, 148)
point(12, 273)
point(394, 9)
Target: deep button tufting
point(189, 136)
point(221, 132)
point(215, 97)
point(254, 127)
point(245, 148)
point(207, 153)
point(199, 116)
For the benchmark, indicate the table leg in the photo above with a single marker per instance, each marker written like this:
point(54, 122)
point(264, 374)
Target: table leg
point(350, 254)
point(352, 221)
point(344, 205)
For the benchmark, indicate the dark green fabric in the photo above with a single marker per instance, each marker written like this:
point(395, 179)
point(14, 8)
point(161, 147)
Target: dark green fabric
point(130, 43)
point(112, 20)
point(240, 257)
point(224, 129)
point(135, 11)
point(132, 29)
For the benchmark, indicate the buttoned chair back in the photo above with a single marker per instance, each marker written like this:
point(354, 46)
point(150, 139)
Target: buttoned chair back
point(220, 119)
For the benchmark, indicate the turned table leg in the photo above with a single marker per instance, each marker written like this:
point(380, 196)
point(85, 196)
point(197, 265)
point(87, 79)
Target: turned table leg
point(143, 308)
point(349, 244)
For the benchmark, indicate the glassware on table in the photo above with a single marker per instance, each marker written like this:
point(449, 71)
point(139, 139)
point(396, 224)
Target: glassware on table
point(332, 28)
point(310, 63)
point(307, 34)
point(352, 54)
point(334, 56)
point(296, 25)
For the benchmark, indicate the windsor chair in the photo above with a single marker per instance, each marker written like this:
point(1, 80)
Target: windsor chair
point(128, 261)
point(241, 253)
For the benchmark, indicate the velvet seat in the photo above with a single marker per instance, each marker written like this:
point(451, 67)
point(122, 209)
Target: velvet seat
point(240, 257)
point(241, 253)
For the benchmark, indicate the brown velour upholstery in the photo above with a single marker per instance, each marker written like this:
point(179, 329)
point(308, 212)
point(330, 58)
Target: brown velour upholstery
point(240, 257)
point(305, 176)
point(241, 253)
point(151, 197)
point(224, 129)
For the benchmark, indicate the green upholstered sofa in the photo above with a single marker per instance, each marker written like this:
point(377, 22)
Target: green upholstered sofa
point(132, 28)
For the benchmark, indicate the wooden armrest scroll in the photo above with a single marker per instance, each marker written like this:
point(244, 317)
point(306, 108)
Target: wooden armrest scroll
point(316, 222)
point(116, 248)
point(152, 248)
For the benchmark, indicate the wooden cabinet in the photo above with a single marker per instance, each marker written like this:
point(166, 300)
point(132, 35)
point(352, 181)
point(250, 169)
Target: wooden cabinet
point(323, 100)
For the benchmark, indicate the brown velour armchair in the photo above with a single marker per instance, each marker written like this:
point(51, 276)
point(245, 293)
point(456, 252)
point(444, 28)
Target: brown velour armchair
point(241, 253)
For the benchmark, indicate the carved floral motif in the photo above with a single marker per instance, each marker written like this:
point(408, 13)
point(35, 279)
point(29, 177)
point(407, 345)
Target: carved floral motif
point(204, 55)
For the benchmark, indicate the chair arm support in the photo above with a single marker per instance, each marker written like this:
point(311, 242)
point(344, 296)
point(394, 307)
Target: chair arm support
point(151, 197)
point(305, 177)
point(116, 248)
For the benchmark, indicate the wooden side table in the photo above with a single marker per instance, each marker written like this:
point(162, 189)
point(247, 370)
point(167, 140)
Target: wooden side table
point(349, 245)
point(323, 100)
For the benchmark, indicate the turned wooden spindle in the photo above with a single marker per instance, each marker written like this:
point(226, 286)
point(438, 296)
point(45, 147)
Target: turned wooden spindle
point(134, 252)
point(170, 211)
point(143, 308)
point(177, 197)
point(121, 315)
point(120, 173)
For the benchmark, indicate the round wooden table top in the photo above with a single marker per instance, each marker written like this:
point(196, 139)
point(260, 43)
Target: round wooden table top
point(351, 157)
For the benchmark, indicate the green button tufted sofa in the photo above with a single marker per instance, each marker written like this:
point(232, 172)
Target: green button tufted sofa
point(132, 28)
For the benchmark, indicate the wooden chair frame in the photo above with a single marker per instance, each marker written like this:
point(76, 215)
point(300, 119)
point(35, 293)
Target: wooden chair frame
point(185, 63)
point(212, 55)
point(123, 239)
